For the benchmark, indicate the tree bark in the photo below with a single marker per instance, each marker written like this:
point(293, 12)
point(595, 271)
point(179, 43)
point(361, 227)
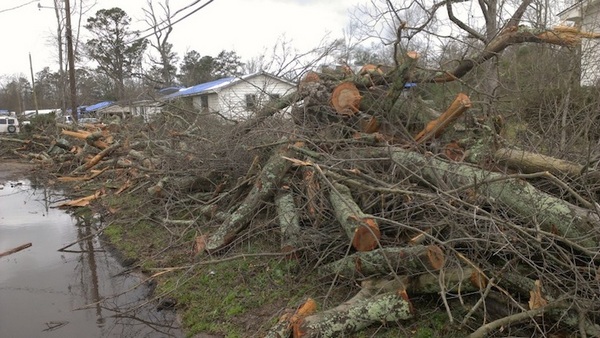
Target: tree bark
point(380, 262)
point(577, 225)
point(528, 162)
point(361, 229)
point(264, 187)
point(361, 311)
point(289, 222)
point(436, 127)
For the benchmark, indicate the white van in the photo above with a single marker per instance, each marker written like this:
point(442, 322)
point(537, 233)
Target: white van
point(9, 124)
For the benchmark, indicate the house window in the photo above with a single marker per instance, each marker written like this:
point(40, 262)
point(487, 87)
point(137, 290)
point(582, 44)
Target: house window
point(204, 102)
point(250, 101)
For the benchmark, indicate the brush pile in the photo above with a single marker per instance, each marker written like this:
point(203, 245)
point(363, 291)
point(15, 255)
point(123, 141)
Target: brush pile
point(370, 184)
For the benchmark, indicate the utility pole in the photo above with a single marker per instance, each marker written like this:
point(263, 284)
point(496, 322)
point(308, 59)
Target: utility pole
point(33, 85)
point(71, 57)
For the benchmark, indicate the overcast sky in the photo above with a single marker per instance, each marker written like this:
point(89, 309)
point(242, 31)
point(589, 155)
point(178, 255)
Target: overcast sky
point(245, 26)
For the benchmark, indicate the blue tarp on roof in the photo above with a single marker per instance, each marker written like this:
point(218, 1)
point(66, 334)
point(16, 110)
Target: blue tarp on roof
point(99, 105)
point(200, 88)
point(169, 90)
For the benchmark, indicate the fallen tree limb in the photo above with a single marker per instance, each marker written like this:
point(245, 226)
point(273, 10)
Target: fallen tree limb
point(436, 127)
point(80, 202)
point(364, 309)
point(508, 320)
point(562, 36)
point(360, 228)
point(380, 262)
point(537, 208)
point(284, 326)
point(13, 250)
point(528, 162)
point(264, 187)
point(562, 312)
point(94, 160)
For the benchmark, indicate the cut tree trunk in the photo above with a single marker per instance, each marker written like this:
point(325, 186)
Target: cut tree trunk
point(283, 328)
point(578, 226)
point(363, 310)
point(380, 262)
point(360, 228)
point(346, 99)
point(264, 187)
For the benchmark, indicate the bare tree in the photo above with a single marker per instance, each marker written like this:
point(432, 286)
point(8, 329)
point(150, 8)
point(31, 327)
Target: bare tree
point(161, 27)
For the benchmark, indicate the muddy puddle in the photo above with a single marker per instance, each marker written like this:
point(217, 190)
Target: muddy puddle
point(77, 292)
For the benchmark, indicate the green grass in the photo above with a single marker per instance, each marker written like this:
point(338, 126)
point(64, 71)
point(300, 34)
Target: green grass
point(240, 294)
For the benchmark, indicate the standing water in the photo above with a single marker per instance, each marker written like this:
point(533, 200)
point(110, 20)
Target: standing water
point(75, 292)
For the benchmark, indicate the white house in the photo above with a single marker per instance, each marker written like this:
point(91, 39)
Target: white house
point(585, 14)
point(235, 97)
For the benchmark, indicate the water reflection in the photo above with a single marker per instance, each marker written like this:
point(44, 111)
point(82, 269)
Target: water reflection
point(76, 292)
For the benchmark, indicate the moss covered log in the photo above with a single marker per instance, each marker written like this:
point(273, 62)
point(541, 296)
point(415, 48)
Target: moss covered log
point(409, 260)
point(264, 187)
point(355, 315)
point(580, 227)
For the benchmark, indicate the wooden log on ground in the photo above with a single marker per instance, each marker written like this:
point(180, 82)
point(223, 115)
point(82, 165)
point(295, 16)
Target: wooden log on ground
point(458, 279)
point(579, 227)
point(528, 162)
point(13, 250)
point(283, 328)
point(380, 262)
point(364, 309)
point(264, 187)
point(360, 228)
point(289, 222)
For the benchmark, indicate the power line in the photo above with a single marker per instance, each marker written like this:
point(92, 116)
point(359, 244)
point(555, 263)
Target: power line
point(177, 21)
point(17, 7)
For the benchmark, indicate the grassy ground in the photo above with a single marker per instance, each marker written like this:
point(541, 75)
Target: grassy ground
point(241, 293)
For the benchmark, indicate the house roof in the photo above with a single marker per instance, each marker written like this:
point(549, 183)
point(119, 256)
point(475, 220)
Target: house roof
point(214, 86)
point(199, 88)
point(572, 12)
point(115, 108)
point(98, 106)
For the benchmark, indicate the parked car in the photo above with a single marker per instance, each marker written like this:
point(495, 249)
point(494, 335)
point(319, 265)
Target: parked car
point(9, 124)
